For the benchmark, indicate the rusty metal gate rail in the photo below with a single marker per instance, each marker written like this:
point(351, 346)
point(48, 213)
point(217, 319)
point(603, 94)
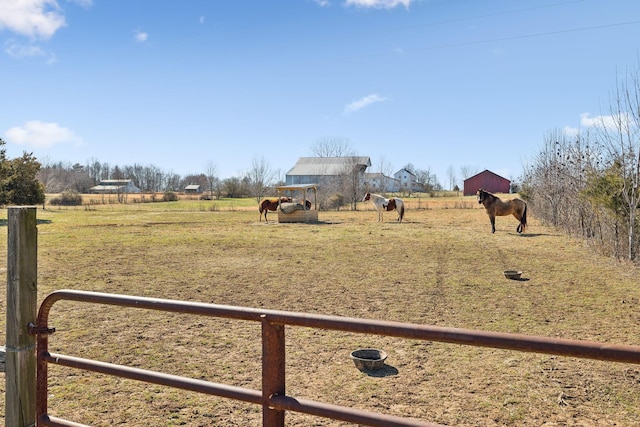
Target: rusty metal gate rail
point(272, 397)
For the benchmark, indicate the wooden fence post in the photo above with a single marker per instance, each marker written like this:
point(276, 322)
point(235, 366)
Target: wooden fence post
point(22, 292)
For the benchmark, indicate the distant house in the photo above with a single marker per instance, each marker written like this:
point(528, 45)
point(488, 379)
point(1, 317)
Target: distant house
point(317, 170)
point(193, 189)
point(488, 181)
point(115, 186)
point(376, 181)
point(408, 180)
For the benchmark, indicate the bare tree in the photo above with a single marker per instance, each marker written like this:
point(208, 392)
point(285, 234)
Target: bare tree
point(451, 174)
point(386, 170)
point(171, 181)
point(260, 177)
point(556, 184)
point(427, 180)
point(332, 147)
point(548, 179)
point(211, 172)
point(620, 136)
point(351, 180)
point(467, 171)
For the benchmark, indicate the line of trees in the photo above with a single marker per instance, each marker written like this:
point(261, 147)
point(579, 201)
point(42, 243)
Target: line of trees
point(588, 184)
point(257, 182)
point(58, 177)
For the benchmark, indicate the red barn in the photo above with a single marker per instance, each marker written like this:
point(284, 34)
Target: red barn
point(488, 181)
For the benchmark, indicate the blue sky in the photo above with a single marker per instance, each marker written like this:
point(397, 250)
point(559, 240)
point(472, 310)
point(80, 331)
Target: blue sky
point(180, 84)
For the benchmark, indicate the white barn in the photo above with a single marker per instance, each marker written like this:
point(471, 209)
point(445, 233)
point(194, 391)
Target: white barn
point(115, 186)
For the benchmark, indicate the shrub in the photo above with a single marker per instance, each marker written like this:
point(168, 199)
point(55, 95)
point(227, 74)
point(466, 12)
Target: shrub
point(169, 196)
point(333, 202)
point(67, 198)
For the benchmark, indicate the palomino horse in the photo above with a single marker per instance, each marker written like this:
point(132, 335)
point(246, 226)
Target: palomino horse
point(496, 207)
point(383, 204)
point(271, 204)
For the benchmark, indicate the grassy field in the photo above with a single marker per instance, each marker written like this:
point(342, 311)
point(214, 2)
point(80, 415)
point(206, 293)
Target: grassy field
point(441, 266)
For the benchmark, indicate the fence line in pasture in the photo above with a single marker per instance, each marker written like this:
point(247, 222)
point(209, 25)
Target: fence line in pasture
point(273, 398)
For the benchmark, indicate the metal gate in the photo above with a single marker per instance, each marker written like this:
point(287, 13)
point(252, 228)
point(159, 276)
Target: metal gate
point(273, 398)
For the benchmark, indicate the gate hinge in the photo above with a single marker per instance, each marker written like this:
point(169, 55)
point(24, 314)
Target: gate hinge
point(40, 330)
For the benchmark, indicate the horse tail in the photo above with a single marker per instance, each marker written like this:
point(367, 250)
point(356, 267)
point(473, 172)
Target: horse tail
point(401, 210)
point(523, 220)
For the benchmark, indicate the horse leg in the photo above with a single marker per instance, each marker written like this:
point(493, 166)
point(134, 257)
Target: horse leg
point(520, 227)
point(492, 218)
point(523, 219)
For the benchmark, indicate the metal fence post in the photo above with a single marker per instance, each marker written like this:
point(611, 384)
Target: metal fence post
point(22, 292)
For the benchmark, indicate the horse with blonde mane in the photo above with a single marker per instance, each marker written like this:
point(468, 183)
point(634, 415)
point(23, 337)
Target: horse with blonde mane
point(382, 204)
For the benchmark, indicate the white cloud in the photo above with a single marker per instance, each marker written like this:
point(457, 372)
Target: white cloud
point(21, 51)
point(202, 19)
point(141, 36)
point(83, 3)
point(362, 103)
point(36, 133)
point(379, 4)
point(608, 122)
point(323, 3)
point(571, 131)
point(31, 18)
point(18, 50)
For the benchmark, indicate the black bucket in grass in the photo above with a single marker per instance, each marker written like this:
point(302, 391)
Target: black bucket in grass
point(512, 274)
point(368, 359)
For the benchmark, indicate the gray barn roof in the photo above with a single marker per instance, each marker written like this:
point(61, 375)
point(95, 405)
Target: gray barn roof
point(320, 166)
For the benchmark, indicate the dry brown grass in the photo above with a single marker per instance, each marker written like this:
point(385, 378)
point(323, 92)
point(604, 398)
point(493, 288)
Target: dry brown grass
point(442, 266)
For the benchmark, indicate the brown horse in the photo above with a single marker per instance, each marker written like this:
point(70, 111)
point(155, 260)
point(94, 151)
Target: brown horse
point(271, 204)
point(496, 207)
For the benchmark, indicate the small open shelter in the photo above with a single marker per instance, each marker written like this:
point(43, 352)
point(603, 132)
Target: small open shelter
point(298, 210)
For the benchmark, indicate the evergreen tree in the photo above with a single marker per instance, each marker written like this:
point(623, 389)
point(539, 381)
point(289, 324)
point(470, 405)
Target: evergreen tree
point(18, 183)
